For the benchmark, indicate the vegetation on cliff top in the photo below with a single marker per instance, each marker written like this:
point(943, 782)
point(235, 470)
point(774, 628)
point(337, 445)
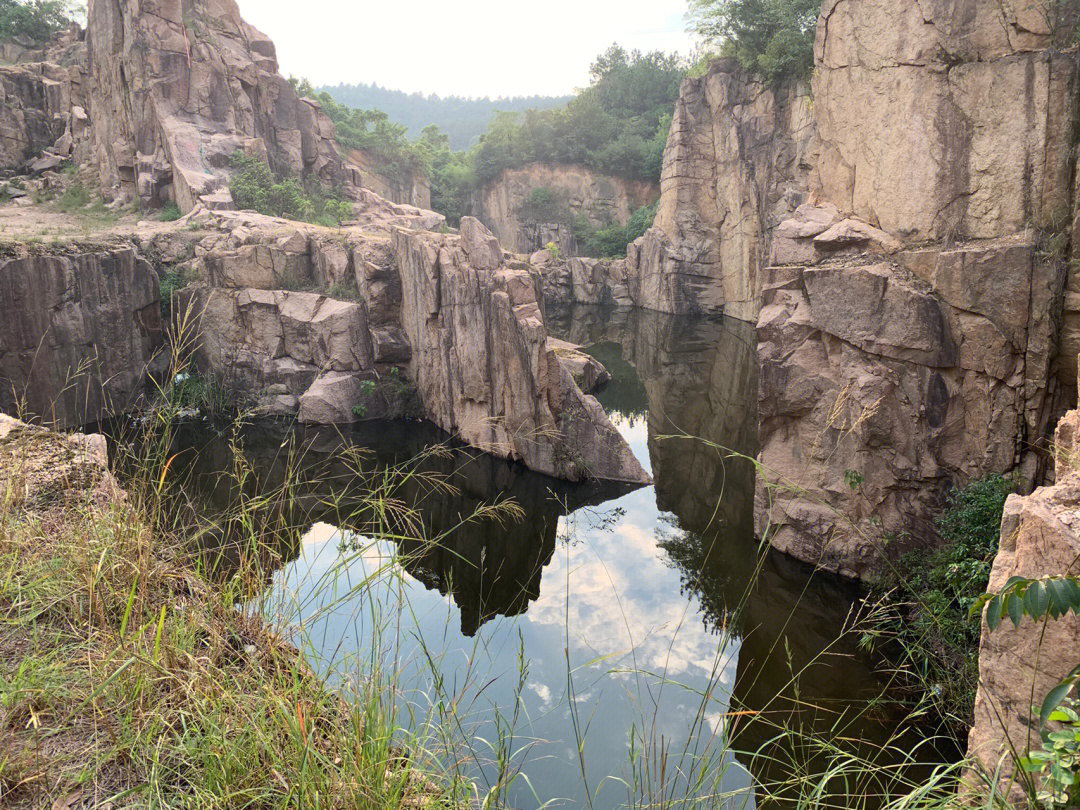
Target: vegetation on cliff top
point(618, 126)
point(463, 120)
point(254, 186)
point(34, 19)
point(772, 37)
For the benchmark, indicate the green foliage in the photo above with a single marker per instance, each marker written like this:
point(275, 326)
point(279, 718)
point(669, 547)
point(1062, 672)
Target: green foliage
point(170, 212)
point(610, 241)
point(772, 37)
point(463, 120)
point(544, 205)
point(204, 393)
point(35, 19)
point(254, 186)
point(73, 198)
point(451, 174)
point(1058, 761)
point(373, 132)
point(171, 281)
point(933, 592)
point(618, 125)
point(853, 478)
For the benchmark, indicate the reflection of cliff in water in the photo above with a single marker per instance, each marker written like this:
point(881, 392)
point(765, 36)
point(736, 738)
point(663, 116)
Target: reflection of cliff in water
point(491, 564)
point(799, 664)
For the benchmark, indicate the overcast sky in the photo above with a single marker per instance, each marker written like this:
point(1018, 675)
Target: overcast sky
point(467, 47)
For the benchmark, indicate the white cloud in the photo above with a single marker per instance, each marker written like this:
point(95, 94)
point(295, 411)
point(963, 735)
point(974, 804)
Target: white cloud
point(476, 48)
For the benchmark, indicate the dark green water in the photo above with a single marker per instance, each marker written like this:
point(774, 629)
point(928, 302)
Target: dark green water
point(648, 621)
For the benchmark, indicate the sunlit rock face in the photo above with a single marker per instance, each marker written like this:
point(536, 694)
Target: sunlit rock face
point(914, 313)
point(1019, 665)
point(736, 164)
point(483, 364)
point(80, 332)
point(177, 88)
point(945, 118)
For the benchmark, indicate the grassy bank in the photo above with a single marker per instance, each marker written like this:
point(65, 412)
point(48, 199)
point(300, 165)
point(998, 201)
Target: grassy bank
point(127, 678)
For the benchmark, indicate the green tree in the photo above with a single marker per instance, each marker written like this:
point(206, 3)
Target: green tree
point(36, 19)
point(772, 37)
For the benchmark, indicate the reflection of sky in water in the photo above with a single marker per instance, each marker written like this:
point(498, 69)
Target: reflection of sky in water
point(639, 652)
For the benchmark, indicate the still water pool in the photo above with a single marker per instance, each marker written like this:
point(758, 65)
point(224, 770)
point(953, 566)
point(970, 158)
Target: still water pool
point(619, 647)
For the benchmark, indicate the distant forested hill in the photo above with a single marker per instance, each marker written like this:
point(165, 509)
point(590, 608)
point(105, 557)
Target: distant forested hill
point(462, 119)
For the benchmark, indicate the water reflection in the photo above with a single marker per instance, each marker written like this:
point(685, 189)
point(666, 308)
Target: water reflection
point(615, 623)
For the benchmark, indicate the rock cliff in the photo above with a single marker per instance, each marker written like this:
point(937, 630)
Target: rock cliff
point(405, 187)
point(736, 163)
point(81, 331)
point(576, 191)
point(177, 88)
point(908, 342)
point(484, 365)
point(1018, 665)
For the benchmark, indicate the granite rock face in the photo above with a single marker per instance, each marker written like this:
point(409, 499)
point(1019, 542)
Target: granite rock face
point(884, 382)
point(577, 190)
point(80, 333)
point(736, 163)
point(484, 366)
point(445, 315)
point(1040, 537)
point(178, 88)
point(963, 105)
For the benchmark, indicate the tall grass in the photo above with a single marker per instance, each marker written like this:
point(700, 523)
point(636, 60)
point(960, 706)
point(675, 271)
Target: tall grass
point(144, 661)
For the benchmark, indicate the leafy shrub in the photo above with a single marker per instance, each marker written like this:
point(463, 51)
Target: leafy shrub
point(933, 593)
point(1059, 758)
point(772, 37)
point(254, 186)
point(35, 19)
point(543, 205)
point(171, 281)
point(610, 241)
point(170, 212)
point(73, 198)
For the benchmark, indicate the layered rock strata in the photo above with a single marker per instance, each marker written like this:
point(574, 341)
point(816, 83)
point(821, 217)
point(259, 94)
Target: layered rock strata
point(81, 332)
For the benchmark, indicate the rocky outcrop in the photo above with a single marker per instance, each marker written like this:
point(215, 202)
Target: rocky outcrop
point(43, 107)
point(81, 331)
point(1019, 665)
point(445, 314)
point(575, 191)
point(965, 106)
point(736, 163)
point(884, 382)
point(483, 364)
point(178, 88)
point(404, 186)
point(891, 372)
